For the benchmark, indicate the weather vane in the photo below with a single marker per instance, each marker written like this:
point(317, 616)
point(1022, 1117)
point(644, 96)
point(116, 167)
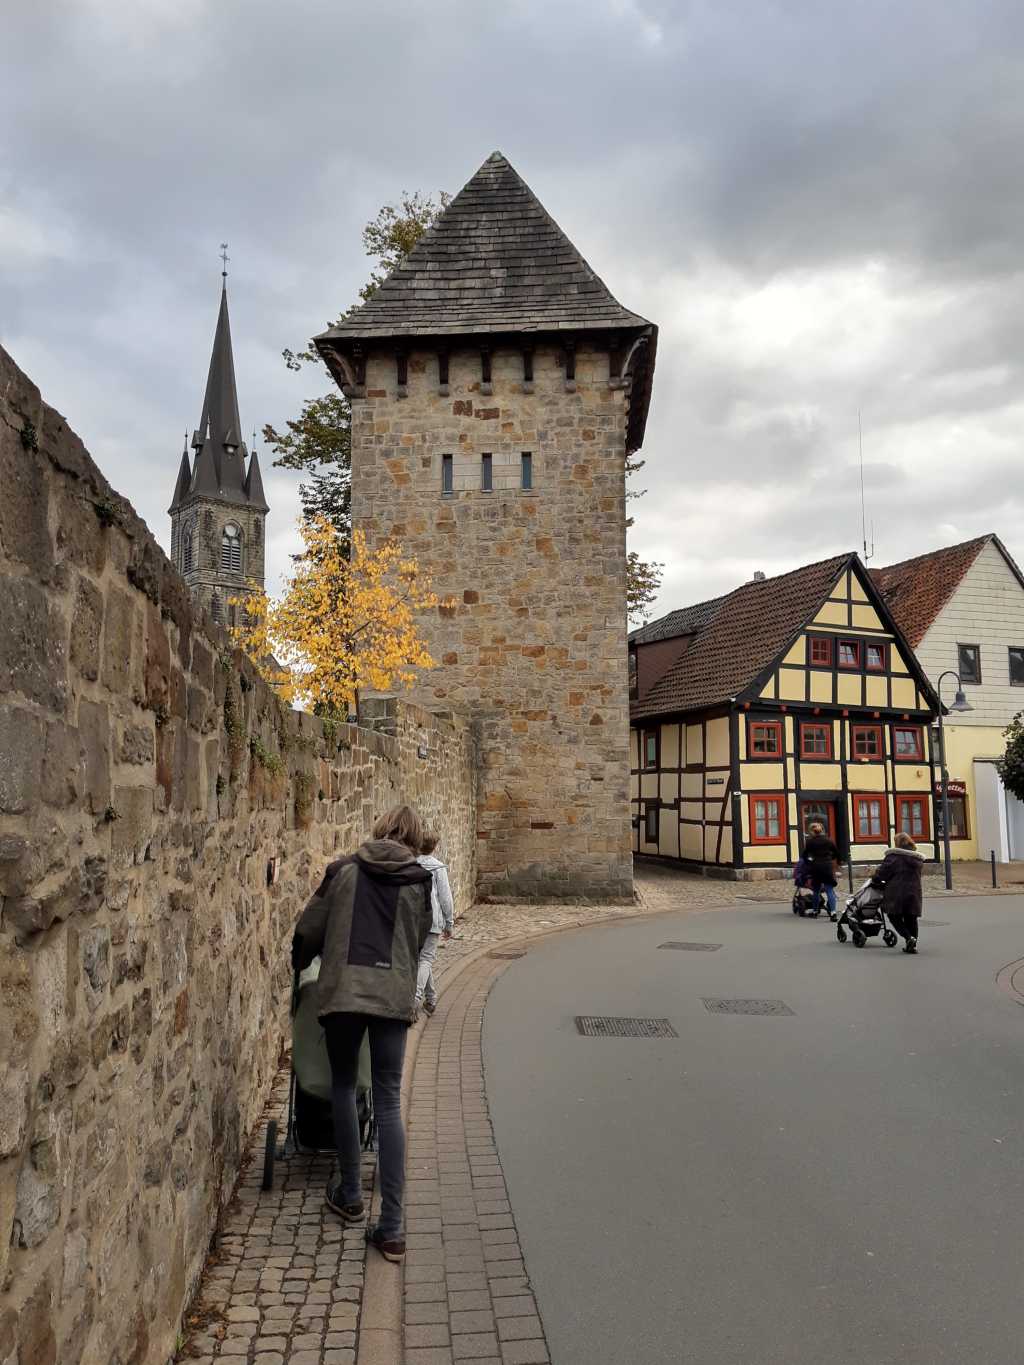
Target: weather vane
point(224, 258)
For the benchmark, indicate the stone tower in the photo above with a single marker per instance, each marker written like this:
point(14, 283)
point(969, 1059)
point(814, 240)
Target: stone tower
point(219, 510)
point(496, 389)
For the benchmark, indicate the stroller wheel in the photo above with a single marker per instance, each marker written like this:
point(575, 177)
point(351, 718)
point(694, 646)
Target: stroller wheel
point(890, 938)
point(841, 934)
point(859, 939)
point(269, 1155)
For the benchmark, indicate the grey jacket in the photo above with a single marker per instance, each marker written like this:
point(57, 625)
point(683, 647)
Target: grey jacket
point(367, 920)
point(440, 894)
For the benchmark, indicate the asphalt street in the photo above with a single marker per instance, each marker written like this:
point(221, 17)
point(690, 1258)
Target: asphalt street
point(842, 1184)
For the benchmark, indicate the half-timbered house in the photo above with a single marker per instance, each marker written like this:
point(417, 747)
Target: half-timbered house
point(790, 700)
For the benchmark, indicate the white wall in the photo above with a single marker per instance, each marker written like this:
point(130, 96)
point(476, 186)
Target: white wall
point(987, 609)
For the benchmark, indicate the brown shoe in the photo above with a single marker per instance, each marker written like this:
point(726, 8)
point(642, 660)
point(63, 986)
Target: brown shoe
point(391, 1248)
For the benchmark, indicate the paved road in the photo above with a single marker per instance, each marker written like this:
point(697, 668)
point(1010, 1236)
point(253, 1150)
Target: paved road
point(842, 1185)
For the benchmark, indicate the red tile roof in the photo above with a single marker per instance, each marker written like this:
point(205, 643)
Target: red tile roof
point(916, 590)
point(750, 628)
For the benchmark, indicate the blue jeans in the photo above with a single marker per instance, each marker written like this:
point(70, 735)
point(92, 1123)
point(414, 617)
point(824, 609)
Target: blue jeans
point(344, 1034)
point(830, 895)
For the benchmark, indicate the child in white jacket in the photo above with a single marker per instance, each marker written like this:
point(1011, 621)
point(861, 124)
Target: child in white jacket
point(444, 915)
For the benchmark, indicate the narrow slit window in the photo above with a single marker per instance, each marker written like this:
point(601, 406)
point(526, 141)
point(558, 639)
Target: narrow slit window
point(651, 823)
point(486, 473)
point(526, 469)
point(447, 474)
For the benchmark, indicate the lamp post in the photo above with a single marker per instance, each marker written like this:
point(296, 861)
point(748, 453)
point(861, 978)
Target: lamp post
point(959, 703)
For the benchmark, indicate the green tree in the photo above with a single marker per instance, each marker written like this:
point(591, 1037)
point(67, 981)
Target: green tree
point(318, 443)
point(1011, 766)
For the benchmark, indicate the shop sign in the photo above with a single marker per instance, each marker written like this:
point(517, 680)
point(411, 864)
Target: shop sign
point(954, 786)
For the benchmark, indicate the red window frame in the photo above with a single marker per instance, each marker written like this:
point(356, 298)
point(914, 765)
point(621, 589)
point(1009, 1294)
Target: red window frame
point(879, 667)
point(815, 725)
point(858, 654)
point(875, 730)
point(822, 644)
point(778, 800)
point(923, 799)
point(918, 755)
point(858, 836)
point(775, 726)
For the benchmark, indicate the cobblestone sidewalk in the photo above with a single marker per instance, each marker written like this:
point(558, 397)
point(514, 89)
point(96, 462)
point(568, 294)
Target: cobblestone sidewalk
point(285, 1286)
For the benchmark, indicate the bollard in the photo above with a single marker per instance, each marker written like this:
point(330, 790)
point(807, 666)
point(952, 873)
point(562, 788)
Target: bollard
point(994, 882)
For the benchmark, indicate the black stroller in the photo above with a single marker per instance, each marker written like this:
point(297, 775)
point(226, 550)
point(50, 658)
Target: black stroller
point(310, 1127)
point(865, 918)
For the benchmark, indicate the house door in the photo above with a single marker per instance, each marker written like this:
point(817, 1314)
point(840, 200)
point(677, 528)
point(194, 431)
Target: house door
point(822, 812)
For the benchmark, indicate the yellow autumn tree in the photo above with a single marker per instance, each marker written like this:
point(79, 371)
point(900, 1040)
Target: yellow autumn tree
point(344, 623)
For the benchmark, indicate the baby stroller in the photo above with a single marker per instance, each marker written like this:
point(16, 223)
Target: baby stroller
point(865, 918)
point(803, 892)
point(310, 1126)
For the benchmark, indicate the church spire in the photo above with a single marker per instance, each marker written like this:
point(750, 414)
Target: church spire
point(220, 451)
point(184, 478)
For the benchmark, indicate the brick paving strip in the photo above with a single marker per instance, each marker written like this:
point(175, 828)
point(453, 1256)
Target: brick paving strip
point(288, 1285)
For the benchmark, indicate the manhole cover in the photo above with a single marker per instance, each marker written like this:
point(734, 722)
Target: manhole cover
point(600, 1026)
point(692, 947)
point(510, 954)
point(746, 1006)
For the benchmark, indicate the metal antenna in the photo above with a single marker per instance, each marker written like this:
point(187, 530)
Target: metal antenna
point(224, 259)
point(863, 505)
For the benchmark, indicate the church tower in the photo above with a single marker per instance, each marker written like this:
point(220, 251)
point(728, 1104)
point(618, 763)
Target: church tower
point(497, 388)
point(218, 511)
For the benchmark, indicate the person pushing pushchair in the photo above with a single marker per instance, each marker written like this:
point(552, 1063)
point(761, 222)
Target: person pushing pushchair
point(821, 859)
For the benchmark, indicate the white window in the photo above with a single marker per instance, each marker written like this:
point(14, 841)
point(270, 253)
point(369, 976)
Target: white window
point(231, 549)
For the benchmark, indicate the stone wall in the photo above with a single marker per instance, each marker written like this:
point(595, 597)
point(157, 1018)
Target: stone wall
point(531, 634)
point(147, 780)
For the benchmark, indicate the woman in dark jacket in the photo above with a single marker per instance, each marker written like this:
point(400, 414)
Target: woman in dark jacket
point(368, 921)
point(899, 876)
point(822, 859)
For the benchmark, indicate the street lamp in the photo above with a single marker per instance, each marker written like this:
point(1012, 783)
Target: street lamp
point(959, 703)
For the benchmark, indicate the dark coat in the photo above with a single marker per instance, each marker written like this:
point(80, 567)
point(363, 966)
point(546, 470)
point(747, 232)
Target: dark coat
point(821, 856)
point(368, 920)
point(900, 876)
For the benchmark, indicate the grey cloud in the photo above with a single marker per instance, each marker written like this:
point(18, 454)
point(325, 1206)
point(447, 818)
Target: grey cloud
point(698, 154)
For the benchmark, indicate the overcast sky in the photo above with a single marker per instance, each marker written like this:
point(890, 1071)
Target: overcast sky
point(820, 204)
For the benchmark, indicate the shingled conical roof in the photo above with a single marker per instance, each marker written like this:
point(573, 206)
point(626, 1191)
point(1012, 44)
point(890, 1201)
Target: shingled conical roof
point(494, 261)
point(219, 469)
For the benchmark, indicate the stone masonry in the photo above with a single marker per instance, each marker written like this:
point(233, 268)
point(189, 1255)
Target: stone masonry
point(530, 636)
point(494, 341)
point(162, 821)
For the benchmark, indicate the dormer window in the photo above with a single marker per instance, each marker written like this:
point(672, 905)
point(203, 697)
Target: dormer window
point(231, 549)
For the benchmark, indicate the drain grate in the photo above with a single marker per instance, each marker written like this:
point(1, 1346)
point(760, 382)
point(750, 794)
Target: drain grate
point(746, 1006)
point(938, 923)
point(510, 955)
point(693, 947)
point(601, 1026)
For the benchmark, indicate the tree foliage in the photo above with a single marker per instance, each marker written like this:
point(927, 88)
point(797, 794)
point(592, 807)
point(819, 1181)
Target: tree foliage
point(344, 622)
point(643, 577)
point(1011, 766)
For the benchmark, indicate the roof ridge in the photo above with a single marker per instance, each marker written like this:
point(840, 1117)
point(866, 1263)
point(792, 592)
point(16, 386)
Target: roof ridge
point(979, 541)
